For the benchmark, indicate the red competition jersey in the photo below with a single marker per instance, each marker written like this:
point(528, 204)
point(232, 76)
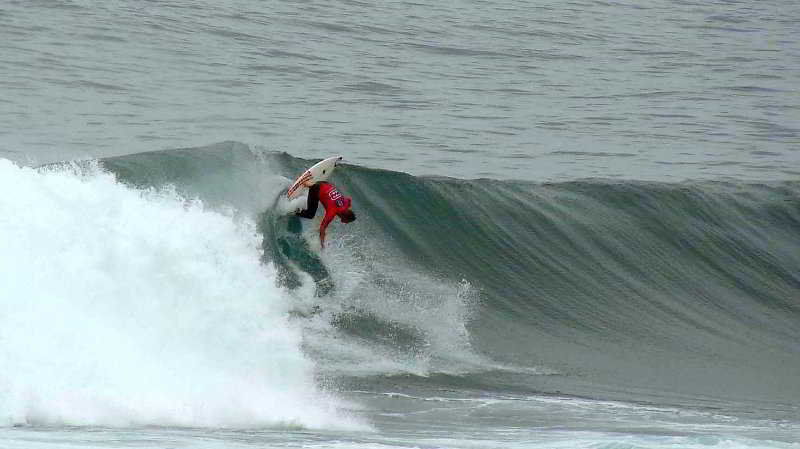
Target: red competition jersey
point(334, 203)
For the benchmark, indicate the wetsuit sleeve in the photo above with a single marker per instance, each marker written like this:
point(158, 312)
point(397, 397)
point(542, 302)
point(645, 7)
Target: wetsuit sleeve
point(313, 202)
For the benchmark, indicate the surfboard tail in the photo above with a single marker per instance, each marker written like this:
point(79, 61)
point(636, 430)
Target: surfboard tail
point(299, 182)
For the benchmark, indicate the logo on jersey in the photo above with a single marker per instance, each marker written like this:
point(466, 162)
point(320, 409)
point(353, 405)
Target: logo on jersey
point(335, 195)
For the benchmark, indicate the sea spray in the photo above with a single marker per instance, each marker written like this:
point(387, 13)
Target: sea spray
point(385, 318)
point(122, 306)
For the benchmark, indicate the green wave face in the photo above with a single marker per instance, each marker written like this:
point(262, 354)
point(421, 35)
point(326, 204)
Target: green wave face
point(677, 289)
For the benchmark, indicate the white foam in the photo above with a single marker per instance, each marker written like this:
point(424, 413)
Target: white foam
point(286, 206)
point(128, 307)
point(373, 283)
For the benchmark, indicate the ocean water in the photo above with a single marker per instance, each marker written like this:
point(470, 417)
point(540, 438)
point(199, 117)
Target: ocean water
point(578, 224)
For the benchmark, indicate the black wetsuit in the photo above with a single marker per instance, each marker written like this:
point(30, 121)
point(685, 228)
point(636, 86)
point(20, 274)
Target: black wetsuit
point(313, 202)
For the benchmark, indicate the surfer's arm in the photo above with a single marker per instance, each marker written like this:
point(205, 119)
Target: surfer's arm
point(323, 226)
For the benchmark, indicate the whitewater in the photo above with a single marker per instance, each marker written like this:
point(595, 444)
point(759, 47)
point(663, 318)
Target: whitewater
point(129, 307)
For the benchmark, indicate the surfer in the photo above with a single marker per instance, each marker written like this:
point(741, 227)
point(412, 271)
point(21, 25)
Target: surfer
point(333, 201)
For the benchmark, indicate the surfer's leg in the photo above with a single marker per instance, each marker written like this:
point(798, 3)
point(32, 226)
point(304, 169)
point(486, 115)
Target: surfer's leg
point(313, 203)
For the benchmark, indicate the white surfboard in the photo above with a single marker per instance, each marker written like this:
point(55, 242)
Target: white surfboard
point(320, 171)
